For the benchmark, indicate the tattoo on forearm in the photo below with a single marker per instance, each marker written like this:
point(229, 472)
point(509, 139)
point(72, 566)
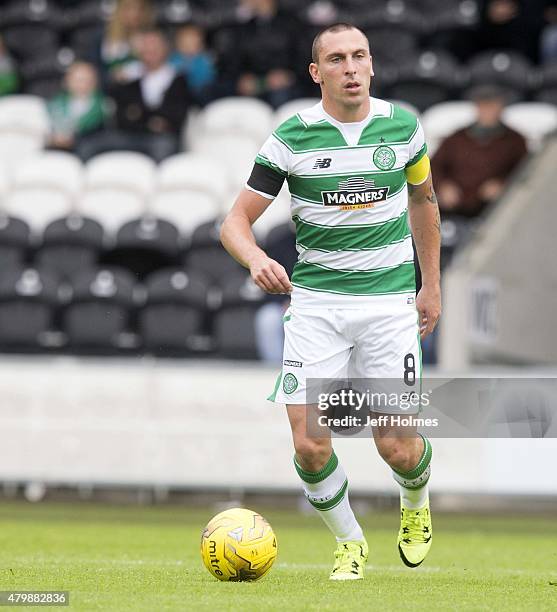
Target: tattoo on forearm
point(437, 221)
point(419, 197)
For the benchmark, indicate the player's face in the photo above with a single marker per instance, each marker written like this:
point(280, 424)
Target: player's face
point(344, 69)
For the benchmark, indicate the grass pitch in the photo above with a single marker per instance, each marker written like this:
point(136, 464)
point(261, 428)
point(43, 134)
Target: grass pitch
point(130, 558)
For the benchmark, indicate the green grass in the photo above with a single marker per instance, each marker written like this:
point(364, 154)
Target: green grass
point(131, 558)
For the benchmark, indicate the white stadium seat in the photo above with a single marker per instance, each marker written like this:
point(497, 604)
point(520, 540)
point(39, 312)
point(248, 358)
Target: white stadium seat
point(4, 183)
point(292, 107)
point(24, 126)
point(277, 213)
point(117, 187)
point(232, 156)
point(18, 144)
point(26, 112)
point(534, 120)
point(190, 190)
point(236, 116)
point(44, 188)
point(441, 120)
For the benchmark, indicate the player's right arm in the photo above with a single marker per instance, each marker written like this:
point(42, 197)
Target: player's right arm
point(237, 238)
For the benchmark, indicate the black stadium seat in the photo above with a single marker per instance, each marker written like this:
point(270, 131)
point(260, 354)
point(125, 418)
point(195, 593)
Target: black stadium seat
point(547, 83)
point(173, 314)
point(31, 40)
point(428, 79)
point(233, 324)
point(504, 68)
point(208, 257)
point(29, 299)
point(70, 244)
point(15, 237)
point(99, 313)
point(145, 245)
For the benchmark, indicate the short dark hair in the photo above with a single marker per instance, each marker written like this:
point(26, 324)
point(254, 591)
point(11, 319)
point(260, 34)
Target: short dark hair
point(335, 27)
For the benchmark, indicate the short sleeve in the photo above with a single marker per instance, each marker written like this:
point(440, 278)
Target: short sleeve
point(271, 167)
point(417, 147)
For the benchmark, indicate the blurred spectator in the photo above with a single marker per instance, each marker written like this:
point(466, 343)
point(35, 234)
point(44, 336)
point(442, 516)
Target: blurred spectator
point(9, 81)
point(78, 110)
point(269, 325)
point(151, 110)
point(512, 25)
point(472, 166)
point(193, 61)
point(265, 56)
point(116, 53)
point(548, 41)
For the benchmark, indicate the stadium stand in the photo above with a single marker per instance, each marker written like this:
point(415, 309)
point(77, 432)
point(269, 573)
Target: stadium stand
point(145, 245)
point(69, 245)
point(190, 190)
point(29, 300)
point(139, 219)
point(234, 322)
point(99, 314)
point(15, 241)
point(118, 186)
point(45, 187)
point(179, 299)
point(444, 118)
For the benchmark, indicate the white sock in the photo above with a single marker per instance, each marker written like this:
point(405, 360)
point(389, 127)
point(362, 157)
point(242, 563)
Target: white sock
point(327, 492)
point(414, 499)
point(414, 492)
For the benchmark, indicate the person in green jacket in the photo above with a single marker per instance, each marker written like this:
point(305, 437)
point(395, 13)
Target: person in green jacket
point(78, 110)
point(9, 81)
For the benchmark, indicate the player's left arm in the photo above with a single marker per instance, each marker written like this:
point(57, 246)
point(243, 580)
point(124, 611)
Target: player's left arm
point(425, 223)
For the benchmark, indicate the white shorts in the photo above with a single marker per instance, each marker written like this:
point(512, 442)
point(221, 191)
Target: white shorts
point(379, 342)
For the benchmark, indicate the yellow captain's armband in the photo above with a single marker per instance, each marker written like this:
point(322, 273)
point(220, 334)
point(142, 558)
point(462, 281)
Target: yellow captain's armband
point(418, 172)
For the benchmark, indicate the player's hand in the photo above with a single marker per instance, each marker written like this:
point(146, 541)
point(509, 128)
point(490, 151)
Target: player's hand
point(428, 304)
point(269, 275)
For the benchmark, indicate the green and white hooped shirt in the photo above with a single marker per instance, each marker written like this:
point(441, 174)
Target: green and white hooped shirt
point(349, 202)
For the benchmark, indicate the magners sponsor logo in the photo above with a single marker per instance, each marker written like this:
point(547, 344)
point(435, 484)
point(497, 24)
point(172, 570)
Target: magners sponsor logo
point(354, 193)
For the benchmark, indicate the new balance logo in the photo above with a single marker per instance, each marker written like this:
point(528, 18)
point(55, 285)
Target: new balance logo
point(324, 162)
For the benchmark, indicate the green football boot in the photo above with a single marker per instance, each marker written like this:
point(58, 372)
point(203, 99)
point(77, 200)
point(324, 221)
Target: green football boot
point(350, 560)
point(414, 537)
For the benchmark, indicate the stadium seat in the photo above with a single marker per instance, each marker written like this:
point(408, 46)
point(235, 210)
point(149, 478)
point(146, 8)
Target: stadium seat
point(233, 155)
point(30, 40)
point(507, 69)
point(173, 314)
point(24, 125)
point(190, 190)
point(546, 86)
point(144, 245)
point(534, 120)
point(383, 50)
point(15, 240)
point(207, 257)
point(237, 116)
point(98, 315)
point(292, 107)
point(276, 214)
point(28, 302)
point(428, 79)
point(118, 187)
point(25, 112)
point(43, 75)
point(69, 245)
point(233, 323)
point(441, 120)
point(45, 187)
